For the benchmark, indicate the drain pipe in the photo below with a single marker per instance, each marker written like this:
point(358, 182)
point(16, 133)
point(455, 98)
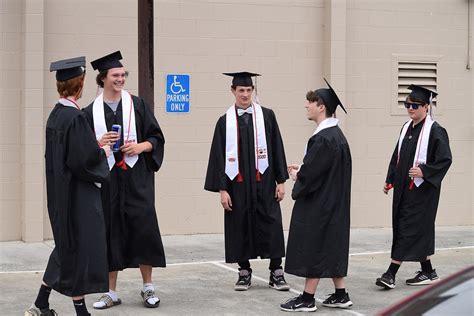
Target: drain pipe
point(468, 64)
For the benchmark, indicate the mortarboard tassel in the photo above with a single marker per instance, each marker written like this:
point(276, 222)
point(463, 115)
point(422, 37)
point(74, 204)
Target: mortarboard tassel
point(257, 176)
point(411, 184)
point(239, 178)
point(121, 164)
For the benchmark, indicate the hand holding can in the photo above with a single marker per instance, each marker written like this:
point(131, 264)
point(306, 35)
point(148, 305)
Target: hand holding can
point(116, 128)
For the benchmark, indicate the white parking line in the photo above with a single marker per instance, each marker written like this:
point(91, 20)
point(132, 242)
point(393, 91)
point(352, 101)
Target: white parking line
point(254, 277)
point(220, 262)
point(382, 252)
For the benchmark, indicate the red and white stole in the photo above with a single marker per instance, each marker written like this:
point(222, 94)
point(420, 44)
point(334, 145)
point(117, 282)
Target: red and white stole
point(421, 146)
point(232, 142)
point(128, 125)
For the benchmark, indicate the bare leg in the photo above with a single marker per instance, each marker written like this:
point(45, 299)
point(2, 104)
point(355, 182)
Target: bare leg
point(339, 283)
point(397, 262)
point(146, 271)
point(310, 285)
point(113, 280)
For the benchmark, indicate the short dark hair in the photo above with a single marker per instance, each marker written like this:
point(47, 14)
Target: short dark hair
point(71, 86)
point(415, 99)
point(313, 96)
point(101, 76)
point(235, 87)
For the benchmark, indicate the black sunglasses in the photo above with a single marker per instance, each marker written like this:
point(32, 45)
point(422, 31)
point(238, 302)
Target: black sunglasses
point(414, 106)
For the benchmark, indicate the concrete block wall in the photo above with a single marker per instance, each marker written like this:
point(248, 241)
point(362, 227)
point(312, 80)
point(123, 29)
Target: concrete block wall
point(293, 44)
point(11, 48)
point(282, 40)
point(379, 34)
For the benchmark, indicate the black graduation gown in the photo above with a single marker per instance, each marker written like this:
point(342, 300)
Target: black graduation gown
point(318, 240)
point(74, 161)
point(254, 226)
point(133, 234)
point(414, 211)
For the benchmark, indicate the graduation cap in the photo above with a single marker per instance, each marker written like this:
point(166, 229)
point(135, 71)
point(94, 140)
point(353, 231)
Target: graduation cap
point(107, 62)
point(243, 79)
point(421, 93)
point(330, 98)
point(68, 68)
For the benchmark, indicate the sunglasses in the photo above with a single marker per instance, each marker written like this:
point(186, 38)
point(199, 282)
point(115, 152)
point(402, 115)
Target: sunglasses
point(414, 106)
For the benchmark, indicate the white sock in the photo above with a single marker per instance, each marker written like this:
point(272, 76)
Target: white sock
point(112, 294)
point(149, 286)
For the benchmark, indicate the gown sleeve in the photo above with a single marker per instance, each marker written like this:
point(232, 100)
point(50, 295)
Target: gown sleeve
point(279, 160)
point(392, 166)
point(216, 179)
point(152, 132)
point(86, 160)
point(440, 157)
point(316, 163)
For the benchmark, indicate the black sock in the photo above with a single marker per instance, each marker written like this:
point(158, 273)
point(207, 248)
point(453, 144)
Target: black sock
point(81, 308)
point(245, 265)
point(426, 266)
point(42, 300)
point(340, 293)
point(307, 297)
point(275, 264)
point(393, 268)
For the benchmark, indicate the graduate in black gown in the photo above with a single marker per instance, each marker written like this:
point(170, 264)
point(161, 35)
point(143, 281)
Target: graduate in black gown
point(247, 166)
point(318, 240)
point(75, 168)
point(419, 163)
point(133, 234)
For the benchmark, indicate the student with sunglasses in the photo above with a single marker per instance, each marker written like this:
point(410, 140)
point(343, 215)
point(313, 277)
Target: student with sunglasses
point(419, 163)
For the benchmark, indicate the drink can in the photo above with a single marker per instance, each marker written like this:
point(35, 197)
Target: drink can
point(116, 128)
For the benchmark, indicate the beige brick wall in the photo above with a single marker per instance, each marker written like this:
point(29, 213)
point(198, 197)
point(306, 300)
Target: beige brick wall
point(376, 32)
point(10, 119)
point(292, 43)
point(280, 39)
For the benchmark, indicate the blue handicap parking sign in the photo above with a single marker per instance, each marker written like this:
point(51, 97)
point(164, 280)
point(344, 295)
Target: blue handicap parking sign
point(177, 93)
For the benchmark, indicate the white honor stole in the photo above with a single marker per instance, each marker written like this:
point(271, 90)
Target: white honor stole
point(421, 146)
point(231, 141)
point(128, 125)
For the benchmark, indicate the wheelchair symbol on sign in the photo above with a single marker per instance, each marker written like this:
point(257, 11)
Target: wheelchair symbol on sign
point(176, 86)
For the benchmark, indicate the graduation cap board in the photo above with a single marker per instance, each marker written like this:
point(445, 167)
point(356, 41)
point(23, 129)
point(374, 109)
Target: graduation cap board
point(243, 79)
point(68, 68)
point(421, 93)
point(107, 62)
point(330, 98)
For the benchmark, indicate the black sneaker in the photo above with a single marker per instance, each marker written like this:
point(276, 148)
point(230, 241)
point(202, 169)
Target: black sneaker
point(277, 281)
point(35, 311)
point(334, 301)
point(244, 281)
point(296, 304)
point(387, 280)
point(423, 278)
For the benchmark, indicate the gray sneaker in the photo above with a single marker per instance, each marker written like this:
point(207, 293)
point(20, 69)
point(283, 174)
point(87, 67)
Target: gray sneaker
point(35, 311)
point(244, 281)
point(277, 281)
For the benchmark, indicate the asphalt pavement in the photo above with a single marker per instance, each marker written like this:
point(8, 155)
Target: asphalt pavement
point(197, 281)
